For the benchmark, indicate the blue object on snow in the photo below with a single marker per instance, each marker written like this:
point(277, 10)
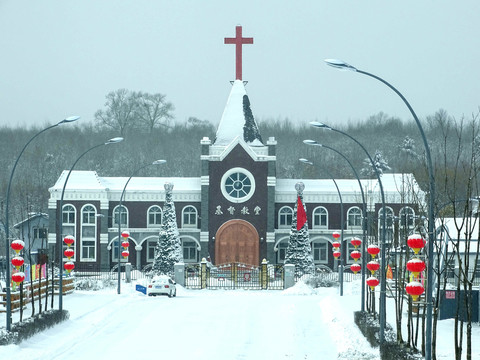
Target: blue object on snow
point(141, 288)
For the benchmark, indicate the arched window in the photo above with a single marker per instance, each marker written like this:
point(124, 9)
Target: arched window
point(285, 216)
point(320, 218)
point(282, 250)
point(69, 219)
point(88, 237)
point(189, 217)
point(354, 217)
point(154, 218)
point(122, 214)
point(319, 251)
point(407, 217)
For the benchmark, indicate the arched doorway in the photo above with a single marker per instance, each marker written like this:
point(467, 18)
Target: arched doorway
point(237, 241)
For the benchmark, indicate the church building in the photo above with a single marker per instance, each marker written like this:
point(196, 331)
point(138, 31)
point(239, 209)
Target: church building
point(237, 210)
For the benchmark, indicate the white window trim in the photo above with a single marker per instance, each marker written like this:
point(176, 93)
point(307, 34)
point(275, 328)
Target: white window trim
point(94, 239)
point(190, 226)
point(148, 217)
point(287, 226)
point(348, 218)
point(233, 171)
point(64, 246)
point(114, 222)
point(313, 218)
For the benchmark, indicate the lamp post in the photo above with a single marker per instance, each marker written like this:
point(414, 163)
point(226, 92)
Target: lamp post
point(7, 247)
point(339, 64)
point(156, 162)
point(342, 257)
point(60, 226)
point(383, 285)
point(364, 224)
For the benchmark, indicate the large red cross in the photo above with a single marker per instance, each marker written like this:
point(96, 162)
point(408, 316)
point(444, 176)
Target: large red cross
point(238, 40)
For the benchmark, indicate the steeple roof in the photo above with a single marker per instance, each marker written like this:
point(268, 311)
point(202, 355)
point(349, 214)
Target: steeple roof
point(237, 119)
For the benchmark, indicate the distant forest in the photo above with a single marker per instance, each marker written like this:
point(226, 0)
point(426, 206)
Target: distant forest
point(454, 146)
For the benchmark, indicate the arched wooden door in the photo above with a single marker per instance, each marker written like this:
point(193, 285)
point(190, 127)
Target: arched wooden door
point(237, 241)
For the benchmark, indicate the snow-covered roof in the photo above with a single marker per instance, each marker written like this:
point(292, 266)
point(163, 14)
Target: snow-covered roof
point(450, 226)
point(31, 217)
point(233, 118)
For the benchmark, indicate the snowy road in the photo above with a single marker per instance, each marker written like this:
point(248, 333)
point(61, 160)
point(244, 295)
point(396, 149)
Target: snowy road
point(201, 324)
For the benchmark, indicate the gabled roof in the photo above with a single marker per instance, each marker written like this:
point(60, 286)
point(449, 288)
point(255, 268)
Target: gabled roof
point(31, 217)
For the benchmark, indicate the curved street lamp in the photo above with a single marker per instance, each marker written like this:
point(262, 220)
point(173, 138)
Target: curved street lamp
point(7, 253)
point(342, 65)
point(120, 208)
point(342, 257)
point(364, 223)
point(383, 280)
point(60, 226)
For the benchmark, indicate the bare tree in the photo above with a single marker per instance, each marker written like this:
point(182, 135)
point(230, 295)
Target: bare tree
point(154, 110)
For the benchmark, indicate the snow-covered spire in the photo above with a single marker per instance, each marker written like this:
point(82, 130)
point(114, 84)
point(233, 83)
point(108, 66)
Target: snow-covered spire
point(237, 119)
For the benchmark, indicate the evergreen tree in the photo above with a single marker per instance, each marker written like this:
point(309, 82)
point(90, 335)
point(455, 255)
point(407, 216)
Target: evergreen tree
point(250, 129)
point(168, 250)
point(380, 162)
point(299, 252)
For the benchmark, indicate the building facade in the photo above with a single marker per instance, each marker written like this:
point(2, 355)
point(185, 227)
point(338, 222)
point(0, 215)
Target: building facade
point(236, 211)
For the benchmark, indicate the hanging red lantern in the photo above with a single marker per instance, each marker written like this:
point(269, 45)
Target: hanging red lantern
point(355, 268)
point(336, 244)
point(69, 266)
point(414, 289)
point(17, 261)
point(373, 250)
point(336, 254)
point(373, 266)
point(415, 266)
point(125, 234)
point(416, 242)
point(355, 254)
point(69, 240)
point(372, 282)
point(17, 245)
point(69, 253)
point(125, 244)
point(125, 254)
point(336, 234)
point(18, 277)
point(356, 242)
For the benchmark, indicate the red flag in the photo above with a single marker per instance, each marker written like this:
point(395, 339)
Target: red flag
point(301, 215)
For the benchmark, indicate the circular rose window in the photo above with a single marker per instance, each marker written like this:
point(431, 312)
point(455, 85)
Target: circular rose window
point(238, 185)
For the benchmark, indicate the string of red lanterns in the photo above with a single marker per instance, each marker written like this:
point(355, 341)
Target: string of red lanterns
point(336, 245)
point(416, 266)
point(125, 244)
point(69, 240)
point(373, 265)
point(17, 261)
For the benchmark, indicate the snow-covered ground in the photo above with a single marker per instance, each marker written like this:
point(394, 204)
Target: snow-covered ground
point(298, 323)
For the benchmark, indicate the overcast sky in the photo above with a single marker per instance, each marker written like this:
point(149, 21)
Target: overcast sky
point(61, 57)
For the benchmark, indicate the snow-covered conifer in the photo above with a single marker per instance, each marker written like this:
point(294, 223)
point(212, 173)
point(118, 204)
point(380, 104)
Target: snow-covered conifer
point(299, 252)
point(380, 163)
point(250, 129)
point(168, 250)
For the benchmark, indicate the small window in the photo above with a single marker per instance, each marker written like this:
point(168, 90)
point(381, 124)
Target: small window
point(320, 218)
point(189, 217)
point(122, 214)
point(155, 216)
point(354, 217)
point(282, 251)
point(151, 244)
point(285, 217)
point(88, 239)
point(190, 252)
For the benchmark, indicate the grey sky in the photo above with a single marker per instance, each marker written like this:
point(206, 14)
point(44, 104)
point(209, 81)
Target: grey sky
point(61, 57)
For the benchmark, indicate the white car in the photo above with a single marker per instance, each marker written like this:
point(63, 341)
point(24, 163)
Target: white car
point(162, 285)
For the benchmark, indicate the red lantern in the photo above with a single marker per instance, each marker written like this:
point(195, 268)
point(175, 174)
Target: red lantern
point(336, 254)
point(414, 289)
point(372, 282)
point(125, 254)
point(125, 234)
point(69, 240)
point(373, 250)
point(17, 245)
point(356, 242)
point(125, 244)
point(373, 266)
point(68, 253)
point(17, 261)
point(415, 266)
point(336, 234)
point(356, 255)
point(336, 244)
point(18, 277)
point(69, 266)
point(355, 268)
point(416, 242)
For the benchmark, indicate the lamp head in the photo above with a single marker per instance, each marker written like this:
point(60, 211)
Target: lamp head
point(69, 119)
point(311, 142)
point(305, 161)
point(339, 64)
point(159, 162)
point(114, 140)
point(320, 125)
